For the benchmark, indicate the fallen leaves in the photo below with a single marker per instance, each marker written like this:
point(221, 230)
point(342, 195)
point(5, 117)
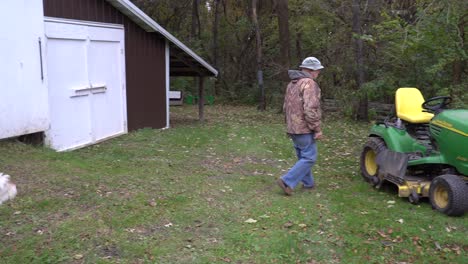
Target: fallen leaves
point(226, 189)
point(152, 203)
point(417, 241)
point(457, 249)
point(227, 260)
point(250, 221)
point(450, 228)
point(382, 234)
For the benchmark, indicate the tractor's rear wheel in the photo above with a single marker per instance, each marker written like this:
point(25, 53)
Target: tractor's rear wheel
point(448, 195)
point(369, 168)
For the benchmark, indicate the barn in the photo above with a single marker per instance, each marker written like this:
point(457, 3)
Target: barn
point(83, 71)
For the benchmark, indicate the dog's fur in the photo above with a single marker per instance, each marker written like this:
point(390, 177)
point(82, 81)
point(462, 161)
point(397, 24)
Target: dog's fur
point(7, 188)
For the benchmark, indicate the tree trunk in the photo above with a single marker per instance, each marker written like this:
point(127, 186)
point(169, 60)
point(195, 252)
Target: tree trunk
point(282, 12)
point(458, 66)
point(215, 45)
point(299, 54)
point(362, 113)
point(195, 32)
point(201, 99)
point(283, 25)
point(262, 105)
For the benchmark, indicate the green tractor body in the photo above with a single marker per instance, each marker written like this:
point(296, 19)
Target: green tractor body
point(449, 132)
point(424, 158)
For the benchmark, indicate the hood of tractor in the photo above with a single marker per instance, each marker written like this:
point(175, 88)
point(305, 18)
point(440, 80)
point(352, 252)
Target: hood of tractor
point(454, 120)
point(450, 130)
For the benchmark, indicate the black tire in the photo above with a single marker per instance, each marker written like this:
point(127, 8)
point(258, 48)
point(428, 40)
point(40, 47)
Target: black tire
point(372, 148)
point(449, 195)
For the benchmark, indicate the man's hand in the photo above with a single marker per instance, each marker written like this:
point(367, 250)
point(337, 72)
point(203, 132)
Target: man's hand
point(318, 135)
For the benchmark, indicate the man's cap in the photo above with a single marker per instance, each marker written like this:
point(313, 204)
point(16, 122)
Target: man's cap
point(311, 63)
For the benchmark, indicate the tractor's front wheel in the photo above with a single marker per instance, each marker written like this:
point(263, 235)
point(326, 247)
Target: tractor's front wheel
point(448, 195)
point(369, 168)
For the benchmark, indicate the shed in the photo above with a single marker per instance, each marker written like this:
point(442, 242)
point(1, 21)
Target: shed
point(23, 90)
point(105, 66)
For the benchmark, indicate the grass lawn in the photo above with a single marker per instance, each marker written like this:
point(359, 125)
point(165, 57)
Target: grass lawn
point(207, 194)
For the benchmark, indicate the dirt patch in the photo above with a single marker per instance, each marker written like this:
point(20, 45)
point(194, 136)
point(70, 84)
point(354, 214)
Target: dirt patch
point(109, 251)
point(230, 164)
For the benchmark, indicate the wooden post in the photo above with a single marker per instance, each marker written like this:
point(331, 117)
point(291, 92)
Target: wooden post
point(201, 100)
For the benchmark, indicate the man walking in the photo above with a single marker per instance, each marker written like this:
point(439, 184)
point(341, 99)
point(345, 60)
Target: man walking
point(303, 115)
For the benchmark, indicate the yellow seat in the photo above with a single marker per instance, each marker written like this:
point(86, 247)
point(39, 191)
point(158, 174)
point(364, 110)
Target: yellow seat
point(408, 104)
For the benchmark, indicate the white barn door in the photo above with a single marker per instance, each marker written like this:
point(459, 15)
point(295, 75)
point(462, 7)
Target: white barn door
point(86, 79)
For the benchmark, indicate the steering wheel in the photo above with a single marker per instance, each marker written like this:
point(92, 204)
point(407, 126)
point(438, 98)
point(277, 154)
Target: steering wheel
point(437, 104)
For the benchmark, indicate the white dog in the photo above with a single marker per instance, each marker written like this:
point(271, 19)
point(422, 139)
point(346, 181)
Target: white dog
point(7, 188)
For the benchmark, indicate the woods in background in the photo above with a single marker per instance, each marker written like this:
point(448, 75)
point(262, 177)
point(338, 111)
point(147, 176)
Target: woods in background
point(369, 48)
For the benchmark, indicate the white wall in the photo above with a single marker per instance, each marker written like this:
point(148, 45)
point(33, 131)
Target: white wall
point(23, 90)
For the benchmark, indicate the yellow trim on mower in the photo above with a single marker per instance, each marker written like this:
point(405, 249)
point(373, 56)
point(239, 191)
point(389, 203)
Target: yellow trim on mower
point(420, 187)
point(449, 127)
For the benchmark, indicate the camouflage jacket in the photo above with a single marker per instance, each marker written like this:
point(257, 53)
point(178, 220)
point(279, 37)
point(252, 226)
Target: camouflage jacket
point(302, 104)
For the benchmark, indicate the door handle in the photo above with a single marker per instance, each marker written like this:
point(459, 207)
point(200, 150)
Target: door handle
point(40, 58)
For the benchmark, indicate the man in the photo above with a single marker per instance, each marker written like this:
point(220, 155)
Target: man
point(303, 114)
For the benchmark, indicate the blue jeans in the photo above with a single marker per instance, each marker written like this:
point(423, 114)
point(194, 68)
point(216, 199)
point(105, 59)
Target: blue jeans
point(306, 151)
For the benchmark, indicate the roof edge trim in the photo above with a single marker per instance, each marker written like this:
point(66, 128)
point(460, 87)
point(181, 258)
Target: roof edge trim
point(129, 7)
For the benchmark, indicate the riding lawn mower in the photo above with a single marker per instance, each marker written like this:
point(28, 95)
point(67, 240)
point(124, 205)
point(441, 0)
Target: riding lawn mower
point(422, 149)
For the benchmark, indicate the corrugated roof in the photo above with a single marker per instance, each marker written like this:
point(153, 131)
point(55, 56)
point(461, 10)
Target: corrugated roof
point(148, 24)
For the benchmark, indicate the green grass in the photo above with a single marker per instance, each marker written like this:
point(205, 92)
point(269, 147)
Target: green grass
point(182, 195)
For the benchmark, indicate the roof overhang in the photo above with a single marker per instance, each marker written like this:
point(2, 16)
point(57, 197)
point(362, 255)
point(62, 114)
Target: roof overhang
point(183, 61)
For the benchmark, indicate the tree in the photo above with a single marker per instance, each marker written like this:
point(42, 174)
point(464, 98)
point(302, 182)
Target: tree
point(281, 7)
point(215, 43)
point(259, 55)
point(195, 32)
point(362, 113)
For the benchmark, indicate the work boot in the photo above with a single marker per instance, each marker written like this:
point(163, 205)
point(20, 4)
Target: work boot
point(286, 189)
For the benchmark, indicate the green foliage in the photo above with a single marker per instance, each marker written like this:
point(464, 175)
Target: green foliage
point(381, 88)
point(420, 54)
point(406, 44)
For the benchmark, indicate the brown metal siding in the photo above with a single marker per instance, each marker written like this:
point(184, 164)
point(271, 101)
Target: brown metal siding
point(144, 55)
